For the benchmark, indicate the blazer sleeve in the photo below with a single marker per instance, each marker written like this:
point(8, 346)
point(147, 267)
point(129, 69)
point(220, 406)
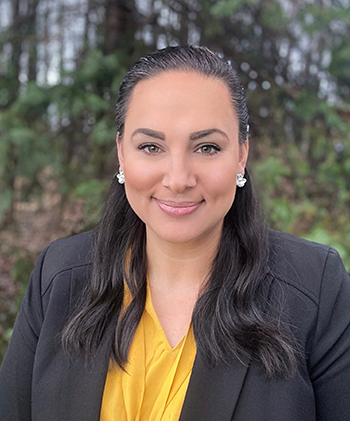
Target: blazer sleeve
point(17, 367)
point(329, 357)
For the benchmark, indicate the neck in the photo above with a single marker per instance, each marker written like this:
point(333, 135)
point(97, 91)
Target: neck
point(180, 266)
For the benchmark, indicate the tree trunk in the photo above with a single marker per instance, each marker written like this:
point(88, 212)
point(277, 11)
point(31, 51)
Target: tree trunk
point(16, 42)
point(32, 39)
point(119, 26)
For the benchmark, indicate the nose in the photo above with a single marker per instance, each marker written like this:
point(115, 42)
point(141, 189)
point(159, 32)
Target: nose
point(179, 174)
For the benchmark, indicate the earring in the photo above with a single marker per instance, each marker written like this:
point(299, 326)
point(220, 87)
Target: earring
point(120, 176)
point(240, 180)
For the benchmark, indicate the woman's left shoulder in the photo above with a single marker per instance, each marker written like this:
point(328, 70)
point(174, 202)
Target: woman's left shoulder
point(310, 267)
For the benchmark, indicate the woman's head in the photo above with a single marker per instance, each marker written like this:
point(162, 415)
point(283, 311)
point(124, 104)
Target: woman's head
point(181, 154)
point(233, 307)
point(185, 58)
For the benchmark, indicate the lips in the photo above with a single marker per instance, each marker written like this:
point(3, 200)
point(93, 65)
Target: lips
point(178, 208)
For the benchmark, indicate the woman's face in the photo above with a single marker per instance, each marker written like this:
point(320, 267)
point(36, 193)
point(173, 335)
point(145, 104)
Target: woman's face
point(180, 155)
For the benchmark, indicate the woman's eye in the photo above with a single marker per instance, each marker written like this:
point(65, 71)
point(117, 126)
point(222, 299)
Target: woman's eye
point(150, 149)
point(208, 149)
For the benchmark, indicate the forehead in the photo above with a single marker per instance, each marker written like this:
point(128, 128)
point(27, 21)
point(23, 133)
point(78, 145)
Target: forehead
point(186, 95)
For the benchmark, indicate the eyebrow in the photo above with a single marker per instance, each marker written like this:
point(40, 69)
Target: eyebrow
point(150, 133)
point(208, 132)
point(194, 136)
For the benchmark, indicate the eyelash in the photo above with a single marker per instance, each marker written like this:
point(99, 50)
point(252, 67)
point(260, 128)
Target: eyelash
point(214, 148)
point(147, 145)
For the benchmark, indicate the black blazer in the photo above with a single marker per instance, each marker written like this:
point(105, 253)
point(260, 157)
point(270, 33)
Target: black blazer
point(38, 383)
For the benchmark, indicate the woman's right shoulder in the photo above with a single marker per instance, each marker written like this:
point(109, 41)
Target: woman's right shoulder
point(63, 256)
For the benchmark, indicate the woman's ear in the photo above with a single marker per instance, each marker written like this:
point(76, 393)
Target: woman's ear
point(243, 155)
point(120, 152)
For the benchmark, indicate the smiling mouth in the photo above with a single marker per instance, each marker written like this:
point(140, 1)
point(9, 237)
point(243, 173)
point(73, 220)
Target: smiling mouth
point(178, 208)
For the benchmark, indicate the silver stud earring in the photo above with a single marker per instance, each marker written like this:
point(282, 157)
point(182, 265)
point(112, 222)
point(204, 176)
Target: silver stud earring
point(120, 176)
point(240, 180)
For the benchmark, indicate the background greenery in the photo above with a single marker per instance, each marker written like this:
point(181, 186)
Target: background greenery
point(61, 62)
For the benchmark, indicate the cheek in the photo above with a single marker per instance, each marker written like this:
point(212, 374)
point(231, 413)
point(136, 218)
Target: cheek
point(223, 185)
point(140, 179)
point(225, 197)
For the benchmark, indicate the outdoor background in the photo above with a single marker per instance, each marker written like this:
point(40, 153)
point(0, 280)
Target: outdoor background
point(61, 63)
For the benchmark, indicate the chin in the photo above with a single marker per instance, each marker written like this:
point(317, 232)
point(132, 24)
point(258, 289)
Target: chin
point(185, 235)
point(178, 238)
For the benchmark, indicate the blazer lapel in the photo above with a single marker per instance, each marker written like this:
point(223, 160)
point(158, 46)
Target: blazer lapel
point(213, 393)
point(82, 387)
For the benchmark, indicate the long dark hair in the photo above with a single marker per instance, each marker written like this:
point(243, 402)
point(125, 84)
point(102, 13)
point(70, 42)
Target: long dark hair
point(230, 319)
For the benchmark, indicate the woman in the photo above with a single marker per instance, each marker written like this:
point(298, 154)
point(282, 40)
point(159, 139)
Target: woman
point(182, 305)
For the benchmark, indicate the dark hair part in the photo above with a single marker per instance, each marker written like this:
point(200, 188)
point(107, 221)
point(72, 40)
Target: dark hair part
point(231, 318)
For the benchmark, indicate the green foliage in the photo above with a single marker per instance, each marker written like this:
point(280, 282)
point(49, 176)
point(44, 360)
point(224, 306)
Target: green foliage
point(102, 132)
point(93, 194)
point(23, 266)
point(274, 17)
point(340, 67)
point(224, 8)
point(270, 172)
point(33, 102)
point(315, 18)
point(24, 146)
point(333, 239)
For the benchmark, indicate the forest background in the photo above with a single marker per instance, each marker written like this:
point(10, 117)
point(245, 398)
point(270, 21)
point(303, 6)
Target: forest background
point(61, 63)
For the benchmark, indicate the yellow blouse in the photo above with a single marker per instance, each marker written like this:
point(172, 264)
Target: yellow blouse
point(155, 382)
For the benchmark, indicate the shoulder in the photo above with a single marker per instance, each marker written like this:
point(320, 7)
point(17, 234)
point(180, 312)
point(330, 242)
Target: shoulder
point(64, 255)
point(310, 288)
point(304, 265)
